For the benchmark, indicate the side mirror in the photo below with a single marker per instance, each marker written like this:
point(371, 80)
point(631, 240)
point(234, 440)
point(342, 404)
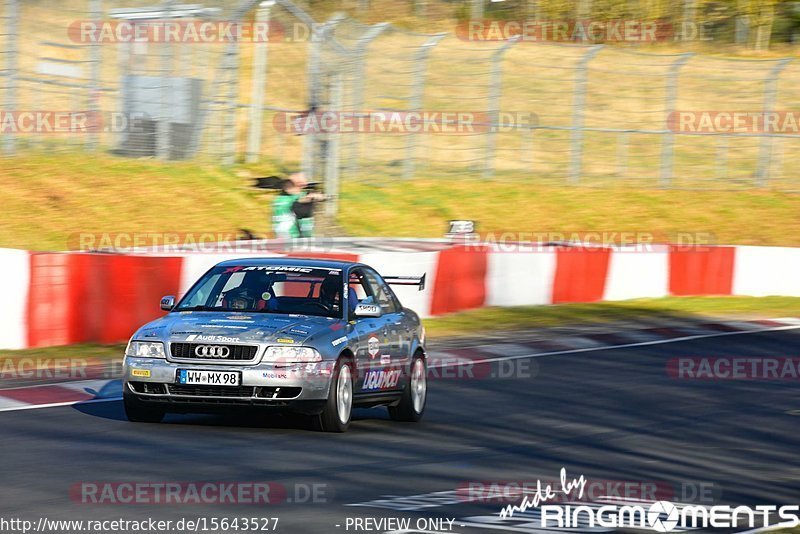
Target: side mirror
point(167, 303)
point(367, 310)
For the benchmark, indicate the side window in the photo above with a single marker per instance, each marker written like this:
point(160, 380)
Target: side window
point(357, 284)
point(383, 297)
point(392, 295)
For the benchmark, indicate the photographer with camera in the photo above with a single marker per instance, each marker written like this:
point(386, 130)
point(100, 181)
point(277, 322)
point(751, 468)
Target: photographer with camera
point(293, 208)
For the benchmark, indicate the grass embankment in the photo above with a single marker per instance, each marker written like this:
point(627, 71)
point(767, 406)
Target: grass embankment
point(48, 198)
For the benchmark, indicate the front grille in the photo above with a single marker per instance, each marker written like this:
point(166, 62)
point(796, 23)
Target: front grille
point(210, 391)
point(240, 353)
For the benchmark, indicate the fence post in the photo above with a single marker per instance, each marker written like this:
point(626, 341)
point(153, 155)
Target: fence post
point(259, 79)
point(670, 96)
point(493, 108)
point(231, 66)
point(417, 93)
point(319, 35)
point(476, 9)
point(12, 23)
point(96, 15)
point(360, 55)
point(332, 154)
point(579, 100)
point(162, 139)
point(765, 146)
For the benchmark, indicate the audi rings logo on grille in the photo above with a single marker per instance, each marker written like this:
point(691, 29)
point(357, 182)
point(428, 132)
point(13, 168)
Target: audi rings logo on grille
point(212, 351)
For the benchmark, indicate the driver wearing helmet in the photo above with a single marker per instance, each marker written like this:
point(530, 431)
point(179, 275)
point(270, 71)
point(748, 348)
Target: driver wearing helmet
point(254, 293)
point(330, 293)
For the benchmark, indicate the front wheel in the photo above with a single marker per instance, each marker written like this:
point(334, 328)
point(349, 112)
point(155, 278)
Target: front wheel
point(335, 417)
point(412, 403)
point(138, 413)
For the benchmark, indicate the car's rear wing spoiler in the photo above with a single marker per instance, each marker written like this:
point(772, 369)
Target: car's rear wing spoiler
point(418, 281)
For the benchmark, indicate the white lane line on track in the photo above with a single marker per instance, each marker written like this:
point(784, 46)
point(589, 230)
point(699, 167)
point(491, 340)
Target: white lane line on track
point(7, 405)
point(57, 404)
point(622, 346)
point(459, 362)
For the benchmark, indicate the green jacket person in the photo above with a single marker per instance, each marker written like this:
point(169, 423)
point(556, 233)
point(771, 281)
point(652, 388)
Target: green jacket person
point(293, 209)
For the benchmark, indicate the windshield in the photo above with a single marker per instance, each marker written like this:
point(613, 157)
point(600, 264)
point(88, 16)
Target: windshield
point(269, 289)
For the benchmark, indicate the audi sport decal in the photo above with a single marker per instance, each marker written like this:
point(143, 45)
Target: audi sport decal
point(218, 339)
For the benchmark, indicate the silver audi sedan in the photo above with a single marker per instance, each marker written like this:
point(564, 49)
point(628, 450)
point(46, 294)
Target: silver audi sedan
point(314, 337)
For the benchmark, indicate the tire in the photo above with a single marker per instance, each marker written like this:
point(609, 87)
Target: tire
point(138, 413)
point(412, 404)
point(335, 417)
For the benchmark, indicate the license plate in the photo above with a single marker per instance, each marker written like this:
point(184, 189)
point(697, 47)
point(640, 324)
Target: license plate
point(208, 378)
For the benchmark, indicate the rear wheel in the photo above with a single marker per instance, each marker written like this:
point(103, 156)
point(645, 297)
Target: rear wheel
point(335, 417)
point(139, 413)
point(412, 403)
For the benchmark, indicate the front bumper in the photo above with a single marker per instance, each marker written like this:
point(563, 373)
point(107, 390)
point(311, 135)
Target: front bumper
point(264, 384)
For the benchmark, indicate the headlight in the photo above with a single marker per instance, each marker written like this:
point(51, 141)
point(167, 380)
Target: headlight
point(284, 354)
point(145, 349)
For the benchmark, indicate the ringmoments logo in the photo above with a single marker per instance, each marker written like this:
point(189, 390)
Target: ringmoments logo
point(661, 516)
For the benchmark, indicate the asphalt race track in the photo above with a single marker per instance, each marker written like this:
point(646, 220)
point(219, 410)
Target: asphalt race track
point(612, 415)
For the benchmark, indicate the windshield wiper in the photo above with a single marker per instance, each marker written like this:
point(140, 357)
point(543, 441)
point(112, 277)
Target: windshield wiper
point(196, 308)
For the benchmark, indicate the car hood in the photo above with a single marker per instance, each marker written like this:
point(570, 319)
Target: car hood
point(232, 327)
